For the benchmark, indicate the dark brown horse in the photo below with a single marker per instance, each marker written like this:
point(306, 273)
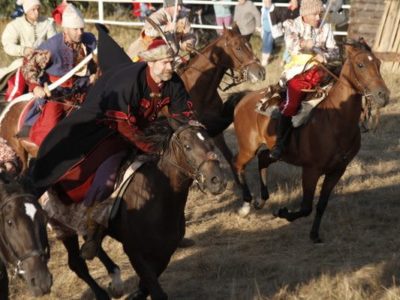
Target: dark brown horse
point(324, 146)
point(23, 238)
point(150, 222)
point(204, 73)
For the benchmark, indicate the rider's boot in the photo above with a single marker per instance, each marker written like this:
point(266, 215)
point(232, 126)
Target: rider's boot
point(283, 132)
point(95, 234)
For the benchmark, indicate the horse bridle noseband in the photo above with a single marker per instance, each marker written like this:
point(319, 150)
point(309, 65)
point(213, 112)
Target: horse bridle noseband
point(18, 260)
point(211, 156)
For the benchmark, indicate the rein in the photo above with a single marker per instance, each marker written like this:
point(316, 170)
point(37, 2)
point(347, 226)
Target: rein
point(195, 174)
point(18, 260)
point(236, 80)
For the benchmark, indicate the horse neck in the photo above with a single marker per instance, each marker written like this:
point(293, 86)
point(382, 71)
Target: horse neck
point(169, 165)
point(345, 99)
point(213, 59)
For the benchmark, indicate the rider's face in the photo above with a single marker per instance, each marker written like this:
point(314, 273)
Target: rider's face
point(161, 70)
point(33, 14)
point(313, 20)
point(73, 35)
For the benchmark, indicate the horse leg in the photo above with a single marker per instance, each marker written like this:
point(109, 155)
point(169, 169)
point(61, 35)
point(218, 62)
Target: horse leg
point(3, 281)
point(263, 162)
point(78, 265)
point(148, 277)
point(116, 286)
point(240, 162)
point(330, 181)
point(310, 178)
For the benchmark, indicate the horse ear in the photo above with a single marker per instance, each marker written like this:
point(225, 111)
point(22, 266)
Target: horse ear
point(235, 28)
point(175, 123)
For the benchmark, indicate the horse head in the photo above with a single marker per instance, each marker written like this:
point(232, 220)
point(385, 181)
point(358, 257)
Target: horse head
point(241, 54)
point(23, 235)
point(194, 152)
point(365, 75)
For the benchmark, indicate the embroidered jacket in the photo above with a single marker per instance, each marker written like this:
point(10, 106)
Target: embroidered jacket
point(296, 31)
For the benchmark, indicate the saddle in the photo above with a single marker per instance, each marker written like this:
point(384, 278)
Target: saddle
point(274, 95)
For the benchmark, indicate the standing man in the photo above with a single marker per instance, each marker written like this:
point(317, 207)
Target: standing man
point(178, 32)
point(247, 17)
point(53, 59)
point(20, 37)
point(125, 99)
point(306, 38)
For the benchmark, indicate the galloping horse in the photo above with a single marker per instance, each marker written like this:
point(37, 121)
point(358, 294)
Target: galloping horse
point(323, 146)
point(204, 73)
point(23, 238)
point(150, 222)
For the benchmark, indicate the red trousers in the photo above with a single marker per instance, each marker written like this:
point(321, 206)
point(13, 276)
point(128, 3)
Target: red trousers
point(53, 112)
point(15, 86)
point(307, 80)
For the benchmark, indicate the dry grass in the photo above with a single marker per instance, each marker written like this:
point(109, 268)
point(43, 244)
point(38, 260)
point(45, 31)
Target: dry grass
point(260, 257)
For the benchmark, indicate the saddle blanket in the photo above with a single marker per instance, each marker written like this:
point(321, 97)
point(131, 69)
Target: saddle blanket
point(70, 219)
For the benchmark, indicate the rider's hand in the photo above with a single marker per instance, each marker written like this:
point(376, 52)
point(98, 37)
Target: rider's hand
point(258, 29)
point(169, 27)
point(92, 78)
point(39, 92)
point(306, 44)
point(320, 58)
point(28, 51)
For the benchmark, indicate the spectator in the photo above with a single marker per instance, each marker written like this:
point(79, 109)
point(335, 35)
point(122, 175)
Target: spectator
point(20, 37)
point(247, 17)
point(223, 15)
point(267, 40)
point(142, 10)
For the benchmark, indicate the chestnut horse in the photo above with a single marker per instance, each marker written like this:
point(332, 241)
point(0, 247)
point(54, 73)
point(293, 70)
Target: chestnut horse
point(150, 221)
point(323, 146)
point(23, 238)
point(204, 73)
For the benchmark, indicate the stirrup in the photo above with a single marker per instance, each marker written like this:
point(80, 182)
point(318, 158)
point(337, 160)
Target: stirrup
point(276, 153)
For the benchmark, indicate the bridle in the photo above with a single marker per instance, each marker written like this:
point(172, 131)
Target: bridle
point(19, 259)
point(195, 172)
point(241, 69)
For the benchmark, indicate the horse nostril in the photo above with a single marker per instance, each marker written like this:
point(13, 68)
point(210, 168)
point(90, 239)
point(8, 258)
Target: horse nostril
point(215, 180)
point(33, 282)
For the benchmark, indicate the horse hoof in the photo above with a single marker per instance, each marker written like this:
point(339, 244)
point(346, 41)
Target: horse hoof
point(138, 295)
point(316, 239)
point(115, 292)
point(282, 213)
point(244, 210)
point(102, 295)
point(186, 243)
point(259, 203)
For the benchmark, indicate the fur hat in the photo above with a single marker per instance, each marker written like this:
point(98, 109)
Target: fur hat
point(29, 4)
point(72, 17)
point(157, 50)
point(310, 7)
point(168, 3)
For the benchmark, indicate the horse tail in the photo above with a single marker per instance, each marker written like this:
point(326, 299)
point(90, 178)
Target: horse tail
point(216, 126)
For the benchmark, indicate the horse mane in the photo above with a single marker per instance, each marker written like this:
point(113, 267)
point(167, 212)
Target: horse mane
point(157, 135)
point(360, 44)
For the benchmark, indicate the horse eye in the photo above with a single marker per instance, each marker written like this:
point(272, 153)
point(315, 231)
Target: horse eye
point(238, 48)
point(360, 65)
point(187, 147)
point(9, 222)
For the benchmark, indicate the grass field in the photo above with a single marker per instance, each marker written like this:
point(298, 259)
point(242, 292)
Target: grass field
point(261, 257)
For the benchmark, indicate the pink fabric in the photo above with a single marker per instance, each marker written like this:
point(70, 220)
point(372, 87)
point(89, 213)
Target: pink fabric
point(223, 21)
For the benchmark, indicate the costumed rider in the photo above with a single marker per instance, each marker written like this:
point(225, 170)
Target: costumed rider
point(178, 33)
point(306, 38)
point(52, 60)
point(20, 37)
point(125, 99)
